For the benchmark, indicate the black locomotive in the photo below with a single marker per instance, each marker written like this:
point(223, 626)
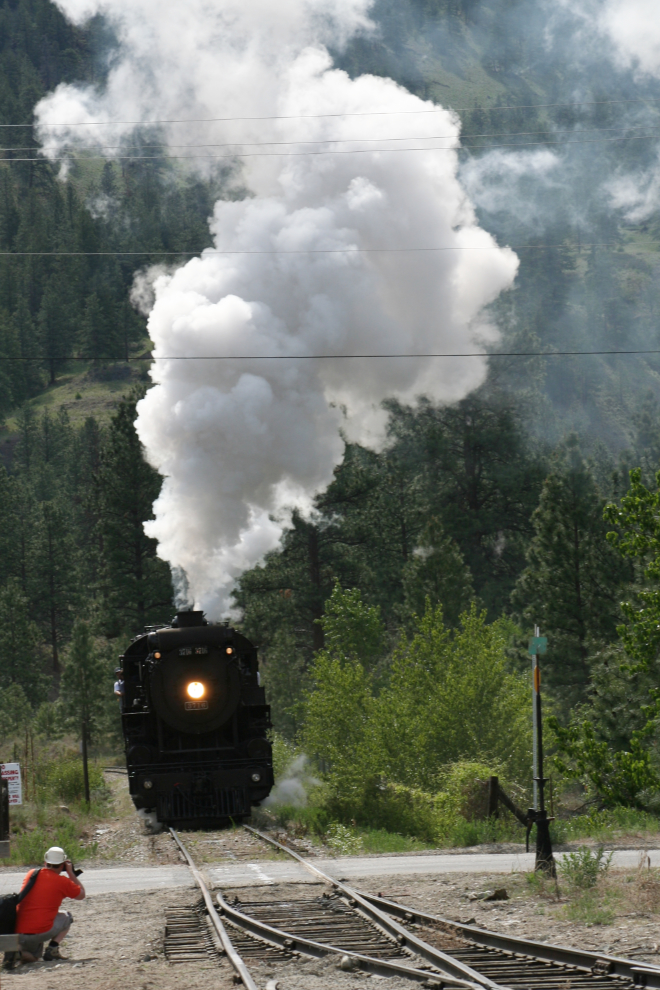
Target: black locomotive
point(195, 723)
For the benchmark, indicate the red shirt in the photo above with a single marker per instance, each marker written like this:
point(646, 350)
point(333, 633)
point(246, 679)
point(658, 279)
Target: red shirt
point(36, 913)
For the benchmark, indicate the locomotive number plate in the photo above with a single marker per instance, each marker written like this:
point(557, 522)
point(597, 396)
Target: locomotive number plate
point(196, 706)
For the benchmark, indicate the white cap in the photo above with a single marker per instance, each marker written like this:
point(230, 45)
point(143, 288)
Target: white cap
point(55, 856)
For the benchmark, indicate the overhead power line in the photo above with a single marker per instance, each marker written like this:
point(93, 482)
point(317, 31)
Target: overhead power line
point(305, 116)
point(343, 140)
point(335, 357)
point(461, 146)
point(344, 250)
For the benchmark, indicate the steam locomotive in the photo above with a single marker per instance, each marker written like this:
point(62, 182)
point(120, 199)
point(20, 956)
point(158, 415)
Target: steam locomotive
point(195, 723)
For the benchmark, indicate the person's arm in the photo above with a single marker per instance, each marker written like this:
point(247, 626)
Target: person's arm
point(71, 875)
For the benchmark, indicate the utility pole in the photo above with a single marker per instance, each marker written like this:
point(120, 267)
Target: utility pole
point(538, 815)
point(535, 754)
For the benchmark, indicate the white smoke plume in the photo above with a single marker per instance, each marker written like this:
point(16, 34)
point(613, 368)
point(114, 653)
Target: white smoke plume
point(636, 194)
point(509, 181)
point(312, 263)
point(634, 29)
point(294, 786)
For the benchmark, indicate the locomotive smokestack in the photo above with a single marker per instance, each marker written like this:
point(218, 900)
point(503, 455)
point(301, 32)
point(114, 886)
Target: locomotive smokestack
point(184, 620)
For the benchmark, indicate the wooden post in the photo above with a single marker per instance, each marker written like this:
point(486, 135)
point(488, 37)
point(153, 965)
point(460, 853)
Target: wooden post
point(34, 767)
point(5, 851)
point(26, 772)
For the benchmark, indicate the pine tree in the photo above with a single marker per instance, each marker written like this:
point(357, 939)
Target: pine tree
point(85, 680)
point(53, 578)
point(22, 659)
point(137, 584)
point(571, 584)
point(84, 686)
point(436, 573)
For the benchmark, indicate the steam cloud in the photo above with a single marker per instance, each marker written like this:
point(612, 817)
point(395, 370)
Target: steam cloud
point(633, 28)
point(634, 31)
point(294, 786)
point(313, 263)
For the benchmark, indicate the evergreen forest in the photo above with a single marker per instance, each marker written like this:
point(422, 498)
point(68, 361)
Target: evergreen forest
point(393, 624)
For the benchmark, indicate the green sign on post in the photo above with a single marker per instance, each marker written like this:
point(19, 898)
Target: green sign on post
point(538, 644)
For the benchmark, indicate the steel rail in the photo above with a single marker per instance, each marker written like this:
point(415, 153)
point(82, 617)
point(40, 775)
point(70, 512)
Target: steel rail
point(216, 921)
point(643, 974)
point(280, 939)
point(446, 964)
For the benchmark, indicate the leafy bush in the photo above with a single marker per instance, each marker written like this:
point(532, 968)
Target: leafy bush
point(584, 867)
point(64, 778)
point(343, 840)
point(453, 816)
point(28, 847)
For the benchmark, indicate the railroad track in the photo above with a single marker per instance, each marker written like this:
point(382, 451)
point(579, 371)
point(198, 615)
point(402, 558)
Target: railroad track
point(382, 937)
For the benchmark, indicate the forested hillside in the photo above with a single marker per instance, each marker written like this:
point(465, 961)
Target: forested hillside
point(490, 509)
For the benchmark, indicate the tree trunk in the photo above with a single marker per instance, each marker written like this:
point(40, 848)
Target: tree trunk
point(84, 757)
point(315, 578)
point(53, 625)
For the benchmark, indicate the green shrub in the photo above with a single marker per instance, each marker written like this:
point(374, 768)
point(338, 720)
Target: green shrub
point(454, 816)
point(284, 754)
point(583, 867)
point(343, 840)
point(64, 778)
point(28, 847)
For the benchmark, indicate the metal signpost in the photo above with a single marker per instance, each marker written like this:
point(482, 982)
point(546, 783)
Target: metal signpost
point(538, 815)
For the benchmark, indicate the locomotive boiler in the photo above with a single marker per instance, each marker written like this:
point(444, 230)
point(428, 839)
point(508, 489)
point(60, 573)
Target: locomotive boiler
point(195, 723)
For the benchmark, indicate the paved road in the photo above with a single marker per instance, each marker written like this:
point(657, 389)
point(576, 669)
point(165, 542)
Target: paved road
point(264, 872)
point(116, 878)
point(355, 867)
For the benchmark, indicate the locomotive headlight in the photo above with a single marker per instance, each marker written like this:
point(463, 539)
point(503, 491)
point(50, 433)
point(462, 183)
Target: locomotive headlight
point(256, 777)
point(196, 690)
point(148, 784)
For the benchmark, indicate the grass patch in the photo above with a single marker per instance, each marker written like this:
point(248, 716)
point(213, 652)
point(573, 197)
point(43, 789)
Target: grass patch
point(56, 813)
point(606, 825)
point(488, 830)
point(592, 907)
point(35, 827)
point(377, 840)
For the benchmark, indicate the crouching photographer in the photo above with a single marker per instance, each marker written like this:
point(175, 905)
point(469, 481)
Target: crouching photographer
point(38, 915)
